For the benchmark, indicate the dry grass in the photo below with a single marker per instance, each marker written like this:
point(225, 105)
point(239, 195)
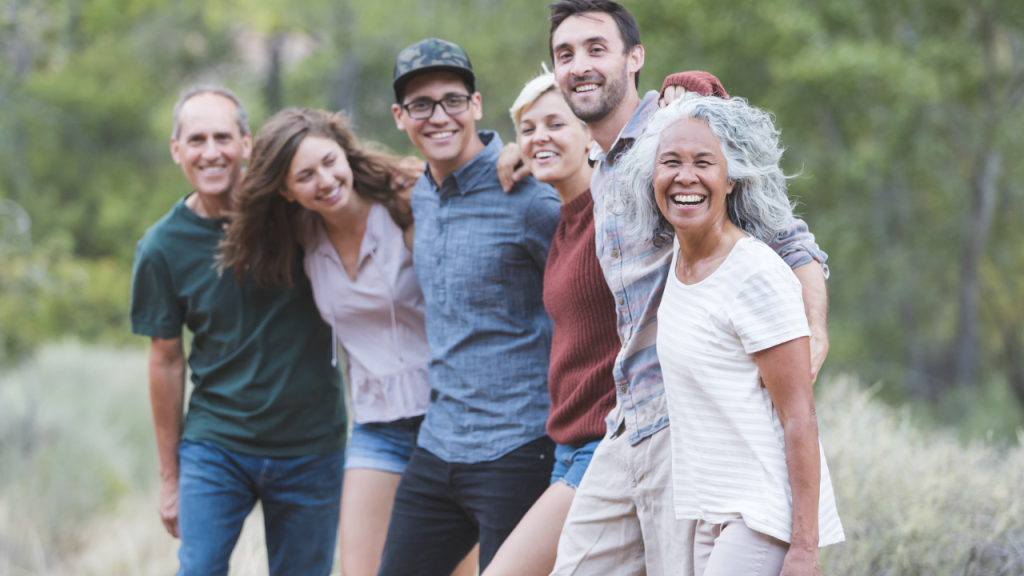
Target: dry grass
point(76, 481)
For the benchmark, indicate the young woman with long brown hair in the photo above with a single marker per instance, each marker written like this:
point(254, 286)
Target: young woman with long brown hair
point(312, 192)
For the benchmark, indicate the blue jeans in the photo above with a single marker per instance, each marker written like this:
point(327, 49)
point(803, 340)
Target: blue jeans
point(384, 446)
point(444, 508)
point(217, 489)
point(571, 462)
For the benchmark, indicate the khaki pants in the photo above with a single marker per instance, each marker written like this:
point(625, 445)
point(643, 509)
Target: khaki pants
point(733, 548)
point(622, 519)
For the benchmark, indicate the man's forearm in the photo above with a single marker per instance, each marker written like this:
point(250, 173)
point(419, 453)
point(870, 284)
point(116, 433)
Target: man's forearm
point(167, 397)
point(815, 292)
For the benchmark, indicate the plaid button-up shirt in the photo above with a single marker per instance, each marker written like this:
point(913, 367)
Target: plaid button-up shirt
point(636, 274)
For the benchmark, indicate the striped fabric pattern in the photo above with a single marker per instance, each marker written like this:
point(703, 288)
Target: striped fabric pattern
point(728, 445)
point(636, 274)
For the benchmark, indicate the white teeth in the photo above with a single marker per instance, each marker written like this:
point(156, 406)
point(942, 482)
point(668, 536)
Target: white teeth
point(543, 154)
point(440, 135)
point(334, 194)
point(586, 88)
point(687, 199)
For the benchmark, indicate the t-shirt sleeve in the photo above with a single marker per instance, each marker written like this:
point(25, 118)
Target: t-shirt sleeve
point(542, 218)
point(769, 308)
point(155, 309)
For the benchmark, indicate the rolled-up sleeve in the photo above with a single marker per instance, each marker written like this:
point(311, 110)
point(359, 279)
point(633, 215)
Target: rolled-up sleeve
point(796, 245)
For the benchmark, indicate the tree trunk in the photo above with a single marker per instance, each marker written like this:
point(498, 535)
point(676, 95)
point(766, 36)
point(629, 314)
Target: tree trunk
point(1015, 359)
point(272, 92)
point(343, 95)
point(984, 184)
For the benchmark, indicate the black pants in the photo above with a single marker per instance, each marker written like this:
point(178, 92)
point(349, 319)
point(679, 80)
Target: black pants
point(443, 509)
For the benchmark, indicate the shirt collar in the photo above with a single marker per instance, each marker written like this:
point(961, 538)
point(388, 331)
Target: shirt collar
point(371, 238)
point(633, 128)
point(478, 170)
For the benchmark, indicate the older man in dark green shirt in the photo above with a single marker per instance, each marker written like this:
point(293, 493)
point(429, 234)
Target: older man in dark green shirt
point(266, 419)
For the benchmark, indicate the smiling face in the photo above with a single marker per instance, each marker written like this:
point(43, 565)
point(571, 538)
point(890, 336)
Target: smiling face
point(320, 178)
point(210, 147)
point(554, 143)
point(591, 65)
point(690, 178)
point(445, 139)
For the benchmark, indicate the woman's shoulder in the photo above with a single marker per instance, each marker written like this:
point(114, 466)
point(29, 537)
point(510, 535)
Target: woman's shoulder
point(755, 258)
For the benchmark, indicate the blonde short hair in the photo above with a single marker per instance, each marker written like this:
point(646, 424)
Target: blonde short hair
point(533, 90)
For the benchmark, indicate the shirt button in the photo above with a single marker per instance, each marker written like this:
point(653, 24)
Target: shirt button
point(615, 253)
point(224, 226)
point(621, 301)
point(622, 389)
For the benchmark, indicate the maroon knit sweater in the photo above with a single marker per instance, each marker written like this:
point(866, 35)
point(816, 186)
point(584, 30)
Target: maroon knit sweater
point(585, 340)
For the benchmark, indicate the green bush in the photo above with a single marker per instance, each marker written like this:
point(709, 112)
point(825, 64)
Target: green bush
point(75, 438)
point(917, 502)
point(49, 294)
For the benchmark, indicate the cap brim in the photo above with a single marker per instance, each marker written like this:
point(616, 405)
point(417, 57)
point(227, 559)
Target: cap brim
point(401, 81)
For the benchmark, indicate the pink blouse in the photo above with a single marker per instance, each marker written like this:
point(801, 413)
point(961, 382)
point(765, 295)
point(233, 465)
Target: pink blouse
point(378, 319)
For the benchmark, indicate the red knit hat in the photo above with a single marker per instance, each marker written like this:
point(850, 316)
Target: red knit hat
point(697, 81)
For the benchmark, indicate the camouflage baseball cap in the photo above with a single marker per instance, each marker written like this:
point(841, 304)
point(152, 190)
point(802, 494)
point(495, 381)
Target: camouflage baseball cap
point(431, 55)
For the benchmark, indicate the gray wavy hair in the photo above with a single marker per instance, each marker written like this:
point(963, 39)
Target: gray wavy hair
point(758, 204)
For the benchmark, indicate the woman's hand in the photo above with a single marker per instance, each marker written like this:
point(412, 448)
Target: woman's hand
point(406, 173)
point(508, 159)
point(671, 94)
point(801, 561)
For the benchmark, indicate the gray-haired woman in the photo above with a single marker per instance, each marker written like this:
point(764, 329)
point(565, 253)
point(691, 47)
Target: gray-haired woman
point(732, 340)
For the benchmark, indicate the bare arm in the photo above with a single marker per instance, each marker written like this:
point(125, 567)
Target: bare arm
point(167, 397)
point(785, 372)
point(815, 292)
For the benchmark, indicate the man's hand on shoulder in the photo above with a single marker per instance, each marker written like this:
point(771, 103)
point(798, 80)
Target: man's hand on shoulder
point(511, 168)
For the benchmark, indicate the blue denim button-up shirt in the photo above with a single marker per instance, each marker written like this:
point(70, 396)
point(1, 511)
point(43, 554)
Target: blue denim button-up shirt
point(480, 255)
point(636, 274)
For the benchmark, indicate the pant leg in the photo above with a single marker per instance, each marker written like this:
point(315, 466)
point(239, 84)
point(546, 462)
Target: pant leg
point(301, 502)
point(740, 550)
point(668, 542)
point(703, 543)
point(215, 494)
point(429, 532)
point(497, 494)
point(602, 533)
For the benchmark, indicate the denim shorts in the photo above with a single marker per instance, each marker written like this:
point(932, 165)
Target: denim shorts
point(384, 446)
point(571, 462)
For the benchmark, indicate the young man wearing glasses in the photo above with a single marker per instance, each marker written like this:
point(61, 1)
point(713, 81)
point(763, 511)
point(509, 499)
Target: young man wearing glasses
point(483, 456)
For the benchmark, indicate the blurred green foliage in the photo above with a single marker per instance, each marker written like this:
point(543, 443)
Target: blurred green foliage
point(904, 118)
point(75, 438)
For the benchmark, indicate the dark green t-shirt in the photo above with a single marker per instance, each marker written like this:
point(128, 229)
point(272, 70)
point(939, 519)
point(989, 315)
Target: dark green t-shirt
point(261, 355)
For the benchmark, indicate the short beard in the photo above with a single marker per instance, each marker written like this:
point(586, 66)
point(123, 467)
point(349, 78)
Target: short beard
point(615, 93)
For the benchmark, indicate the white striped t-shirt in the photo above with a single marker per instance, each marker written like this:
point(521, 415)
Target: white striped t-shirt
point(728, 446)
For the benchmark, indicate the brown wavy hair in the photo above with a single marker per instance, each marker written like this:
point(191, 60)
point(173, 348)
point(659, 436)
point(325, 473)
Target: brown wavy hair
point(266, 229)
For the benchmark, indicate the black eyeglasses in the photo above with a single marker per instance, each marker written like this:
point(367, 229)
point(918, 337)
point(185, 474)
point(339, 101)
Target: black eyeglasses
point(452, 104)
